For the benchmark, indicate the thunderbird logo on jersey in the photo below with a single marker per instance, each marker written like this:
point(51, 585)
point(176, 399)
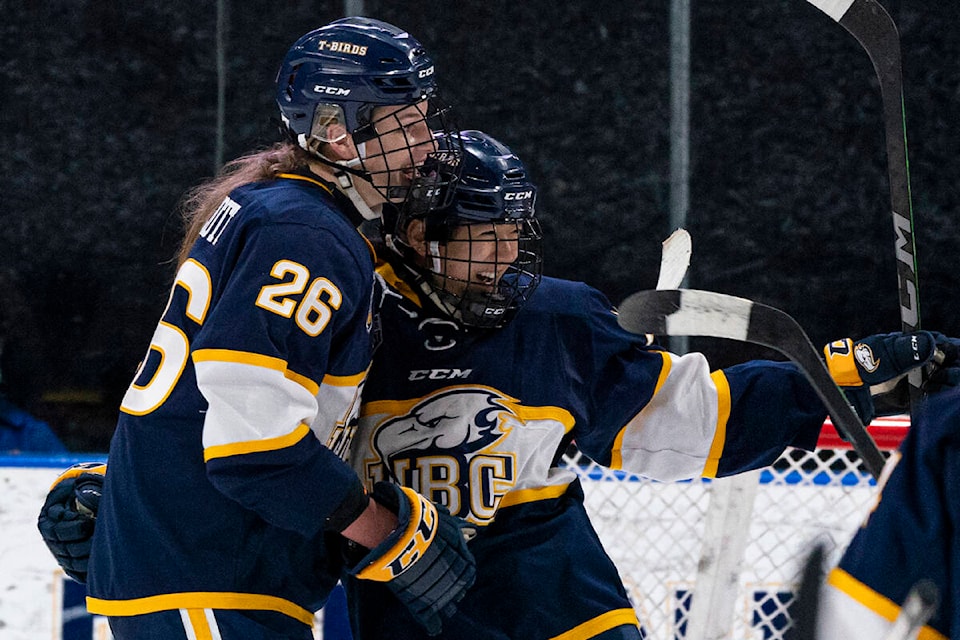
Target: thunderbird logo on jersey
point(445, 447)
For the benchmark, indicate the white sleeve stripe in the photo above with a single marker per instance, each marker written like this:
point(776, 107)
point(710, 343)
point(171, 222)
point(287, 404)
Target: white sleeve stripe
point(671, 438)
point(257, 360)
point(249, 403)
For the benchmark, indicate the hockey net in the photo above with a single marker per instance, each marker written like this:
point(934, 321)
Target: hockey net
point(655, 532)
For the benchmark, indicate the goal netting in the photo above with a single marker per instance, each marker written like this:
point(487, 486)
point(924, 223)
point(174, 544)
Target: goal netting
point(655, 533)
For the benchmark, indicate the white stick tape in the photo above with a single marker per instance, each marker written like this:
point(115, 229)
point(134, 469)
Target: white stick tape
point(833, 8)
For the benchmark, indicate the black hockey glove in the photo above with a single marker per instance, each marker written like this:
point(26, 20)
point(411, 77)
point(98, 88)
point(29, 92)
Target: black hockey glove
point(882, 362)
point(68, 516)
point(425, 562)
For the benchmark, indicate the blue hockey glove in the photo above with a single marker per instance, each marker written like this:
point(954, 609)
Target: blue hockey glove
point(880, 361)
point(69, 513)
point(425, 562)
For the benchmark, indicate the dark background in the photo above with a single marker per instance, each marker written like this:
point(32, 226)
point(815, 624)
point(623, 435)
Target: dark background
point(109, 110)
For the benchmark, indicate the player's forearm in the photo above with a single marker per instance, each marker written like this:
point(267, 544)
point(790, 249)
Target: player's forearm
point(373, 525)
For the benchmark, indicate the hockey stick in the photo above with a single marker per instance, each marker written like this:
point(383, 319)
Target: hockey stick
point(674, 259)
point(875, 30)
point(731, 503)
point(917, 609)
point(805, 607)
point(704, 313)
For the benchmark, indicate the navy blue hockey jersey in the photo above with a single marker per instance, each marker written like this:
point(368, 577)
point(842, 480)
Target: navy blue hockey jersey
point(478, 421)
point(911, 535)
point(224, 464)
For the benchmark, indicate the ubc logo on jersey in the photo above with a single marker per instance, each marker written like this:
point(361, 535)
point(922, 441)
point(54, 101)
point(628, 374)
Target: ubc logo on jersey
point(464, 446)
point(447, 441)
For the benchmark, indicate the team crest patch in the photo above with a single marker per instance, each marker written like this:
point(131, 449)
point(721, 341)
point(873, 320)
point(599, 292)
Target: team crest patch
point(465, 446)
point(445, 447)
point(865, 358)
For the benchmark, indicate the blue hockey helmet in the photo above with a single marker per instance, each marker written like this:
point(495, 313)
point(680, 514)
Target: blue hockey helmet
point(356, 63)
point(477, 281)
point(340, 73)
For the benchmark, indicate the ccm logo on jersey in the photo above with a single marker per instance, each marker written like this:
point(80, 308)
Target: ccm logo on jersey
point(439, 374)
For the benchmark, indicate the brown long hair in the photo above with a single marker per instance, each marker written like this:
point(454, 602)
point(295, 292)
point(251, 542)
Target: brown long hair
point(200, 202)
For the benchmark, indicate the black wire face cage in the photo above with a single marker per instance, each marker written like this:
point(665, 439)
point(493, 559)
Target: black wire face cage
point(481, 281)
point(400, 155)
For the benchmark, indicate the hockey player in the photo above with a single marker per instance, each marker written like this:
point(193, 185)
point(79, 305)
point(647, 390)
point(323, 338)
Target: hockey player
point(912, 535)
point(488, 371)
point(226, 495)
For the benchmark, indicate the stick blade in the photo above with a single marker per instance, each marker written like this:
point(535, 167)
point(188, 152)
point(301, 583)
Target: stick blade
point(689, 312)
point(675, 259)
point(647, 311)
point(686, 312)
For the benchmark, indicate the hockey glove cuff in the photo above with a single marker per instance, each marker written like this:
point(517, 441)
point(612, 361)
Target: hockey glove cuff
point(425, 561)
point(68, 515)
point(878, 361)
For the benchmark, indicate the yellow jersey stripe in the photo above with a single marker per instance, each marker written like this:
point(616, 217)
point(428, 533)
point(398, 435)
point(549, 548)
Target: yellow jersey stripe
point(723, 416)
point(522, 496)
point(194, 600)
point(294, 176)
point(256, 360)
point(199, 624)
point(616, 453)
point(344, 381)
point(875, 602)
point(256, 446)
point(604, 622)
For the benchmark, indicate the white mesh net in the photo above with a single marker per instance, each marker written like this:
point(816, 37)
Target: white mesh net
point(654, 532)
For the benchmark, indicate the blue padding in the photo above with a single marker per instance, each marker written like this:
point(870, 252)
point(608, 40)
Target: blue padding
point(59, 461)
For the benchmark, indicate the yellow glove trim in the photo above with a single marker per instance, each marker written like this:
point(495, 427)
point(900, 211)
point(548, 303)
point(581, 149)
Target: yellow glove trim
point(420, 532)
point(842, 364)
point(77, 469)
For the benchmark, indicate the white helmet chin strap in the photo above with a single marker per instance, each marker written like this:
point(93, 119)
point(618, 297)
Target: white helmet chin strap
point(344, 179)
point(346, 186)
point(434, 250)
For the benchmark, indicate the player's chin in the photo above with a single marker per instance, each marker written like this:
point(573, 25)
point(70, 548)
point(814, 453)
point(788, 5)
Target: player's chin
point(484, 288)
point(398, 186)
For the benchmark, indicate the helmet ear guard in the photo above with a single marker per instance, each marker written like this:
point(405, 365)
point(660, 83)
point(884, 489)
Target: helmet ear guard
point(327, 116)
